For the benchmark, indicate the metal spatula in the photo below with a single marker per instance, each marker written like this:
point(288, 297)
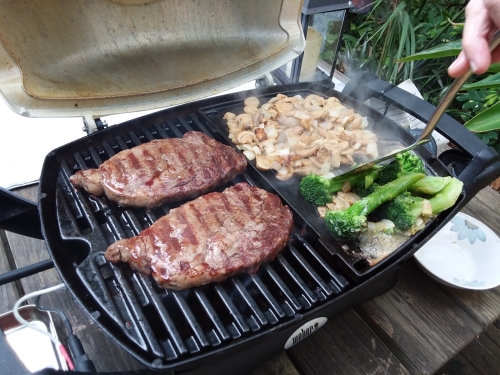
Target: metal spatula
point(436, 116)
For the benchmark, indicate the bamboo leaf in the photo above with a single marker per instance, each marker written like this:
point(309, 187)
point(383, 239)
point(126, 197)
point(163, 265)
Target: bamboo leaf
point(489, 82)
point(494, 68)
point(485, 121)
point(444, 50)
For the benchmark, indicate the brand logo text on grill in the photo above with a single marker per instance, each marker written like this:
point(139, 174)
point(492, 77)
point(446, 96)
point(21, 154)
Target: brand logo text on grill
point(305, 330)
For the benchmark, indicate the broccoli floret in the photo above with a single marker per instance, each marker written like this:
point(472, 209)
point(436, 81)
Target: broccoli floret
point(430, 185)
point(318, 190)
point(404, 163)
point(364, 191)
point(404, 210)
point(351, 222)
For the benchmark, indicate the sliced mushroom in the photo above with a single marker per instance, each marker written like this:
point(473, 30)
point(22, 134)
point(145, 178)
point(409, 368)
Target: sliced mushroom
point(252, 101)
point(284, 106)
point(284, 176)
point(324, 154)
point(245, 120)
point(307, 151)
point(229, 116)
point(322, 211)
point(341, 202)
point(250, 109)
point(349, 197)
point(355, 124)
point(332, 102)
point(305, 170)
point(246, 137)
point(263, 163)
point(315, 162)
point(313, 102)
point(347, 151)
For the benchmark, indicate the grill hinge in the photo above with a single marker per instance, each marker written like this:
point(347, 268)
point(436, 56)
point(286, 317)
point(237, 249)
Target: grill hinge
point(92, 125)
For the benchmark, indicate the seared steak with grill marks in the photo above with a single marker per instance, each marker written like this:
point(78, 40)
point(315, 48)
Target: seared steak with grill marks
point(161, 171)
point(210, 238)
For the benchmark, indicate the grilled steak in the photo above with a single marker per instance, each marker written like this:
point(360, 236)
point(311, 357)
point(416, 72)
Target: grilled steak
point(162, 171)
point(209, 239)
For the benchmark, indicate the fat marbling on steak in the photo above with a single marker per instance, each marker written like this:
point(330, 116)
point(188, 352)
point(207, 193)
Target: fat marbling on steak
point(163, 170)
point(210, 238)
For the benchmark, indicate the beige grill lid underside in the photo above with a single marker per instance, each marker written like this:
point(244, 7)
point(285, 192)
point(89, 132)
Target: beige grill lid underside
point(61, 58)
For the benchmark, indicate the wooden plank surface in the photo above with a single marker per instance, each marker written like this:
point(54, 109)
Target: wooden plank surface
point(8, 292)
point(418, 322)
point(345, 345)
point(280, 364)
point(483, 353)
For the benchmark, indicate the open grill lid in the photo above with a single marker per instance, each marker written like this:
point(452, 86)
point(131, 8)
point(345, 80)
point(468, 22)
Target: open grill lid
point(98, 57)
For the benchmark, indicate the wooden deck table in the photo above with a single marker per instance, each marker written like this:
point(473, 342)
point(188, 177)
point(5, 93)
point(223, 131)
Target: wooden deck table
point(414, 328)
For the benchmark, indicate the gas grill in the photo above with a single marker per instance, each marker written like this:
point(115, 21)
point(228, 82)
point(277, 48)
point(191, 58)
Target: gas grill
point(231, 326)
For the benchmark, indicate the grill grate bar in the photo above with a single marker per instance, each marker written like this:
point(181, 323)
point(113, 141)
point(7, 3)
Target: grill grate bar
point(174, 129)
point(108, 149)
point(339, 280)
point(232, 308)
point(250, 301)
point(121, 143)
point(164, 315)
point(268, 296)
point(135, 310)
point(95, 156)
point(161, 132)
point(188, 315)
point(135, 140)
point(184, 123)
point(298, 280)
point(311, 271)
point(148, 135)
point(214, 317)
point(284, 288)
point(198, 123)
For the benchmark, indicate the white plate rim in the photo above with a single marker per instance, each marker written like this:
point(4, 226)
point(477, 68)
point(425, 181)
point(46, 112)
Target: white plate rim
point(438, 278)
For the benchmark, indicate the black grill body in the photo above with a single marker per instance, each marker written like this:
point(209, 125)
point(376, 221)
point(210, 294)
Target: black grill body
point(221, 327)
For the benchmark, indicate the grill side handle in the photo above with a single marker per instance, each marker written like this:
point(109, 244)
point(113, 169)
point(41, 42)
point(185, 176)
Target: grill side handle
point(19, 215)
point(474, 163)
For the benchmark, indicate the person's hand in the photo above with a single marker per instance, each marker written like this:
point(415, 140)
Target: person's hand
point(482, 20)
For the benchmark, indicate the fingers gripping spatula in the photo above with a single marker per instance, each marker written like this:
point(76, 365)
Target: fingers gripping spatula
point(436, 116)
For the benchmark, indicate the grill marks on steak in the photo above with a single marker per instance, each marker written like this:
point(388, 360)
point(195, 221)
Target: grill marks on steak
point(210, 238)
point(162, 171)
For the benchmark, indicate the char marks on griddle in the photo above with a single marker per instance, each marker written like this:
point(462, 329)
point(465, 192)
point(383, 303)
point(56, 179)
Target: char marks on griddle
point(161, 171)
point(210, 238)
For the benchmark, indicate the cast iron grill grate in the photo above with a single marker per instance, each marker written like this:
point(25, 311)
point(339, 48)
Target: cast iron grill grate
point(167, 325)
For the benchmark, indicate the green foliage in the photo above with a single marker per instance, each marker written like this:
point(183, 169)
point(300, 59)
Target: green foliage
point(374, 44)
point(382, 40)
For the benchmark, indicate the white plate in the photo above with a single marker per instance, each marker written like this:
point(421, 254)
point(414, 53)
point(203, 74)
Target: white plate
point(464, 254)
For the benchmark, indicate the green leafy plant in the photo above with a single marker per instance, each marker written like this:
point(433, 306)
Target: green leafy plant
point(480, 109)
point(378, 41)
